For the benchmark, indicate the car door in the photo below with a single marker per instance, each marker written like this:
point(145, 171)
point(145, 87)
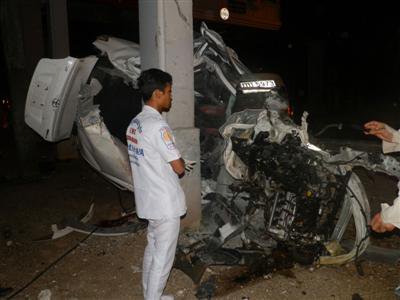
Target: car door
point(52, 100)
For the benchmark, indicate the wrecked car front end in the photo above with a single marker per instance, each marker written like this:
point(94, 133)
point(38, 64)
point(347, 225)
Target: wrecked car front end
point(97, 95)
point(279, 200)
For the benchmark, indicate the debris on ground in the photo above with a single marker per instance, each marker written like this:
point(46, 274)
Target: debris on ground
point(44, 295)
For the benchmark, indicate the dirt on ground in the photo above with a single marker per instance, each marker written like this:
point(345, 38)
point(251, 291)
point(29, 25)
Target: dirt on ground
point(110, 267)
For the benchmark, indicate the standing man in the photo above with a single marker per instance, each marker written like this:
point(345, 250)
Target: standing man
point(156, 168)
point(389, 217)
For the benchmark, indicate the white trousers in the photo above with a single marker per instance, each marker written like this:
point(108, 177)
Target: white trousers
point(162, 237)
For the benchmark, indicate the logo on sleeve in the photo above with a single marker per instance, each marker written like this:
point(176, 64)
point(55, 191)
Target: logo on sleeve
point(167, 138)
point(138, 125)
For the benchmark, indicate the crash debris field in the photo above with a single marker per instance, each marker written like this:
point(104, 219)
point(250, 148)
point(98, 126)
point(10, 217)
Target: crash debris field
point(110, 267)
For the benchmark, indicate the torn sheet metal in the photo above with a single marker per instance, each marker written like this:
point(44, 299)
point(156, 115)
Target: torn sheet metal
point(280, 151)
point(123, 54)
point(376, 162)
point(103, 152)
point(217, 73)
point(277, 195)
point(279, 191)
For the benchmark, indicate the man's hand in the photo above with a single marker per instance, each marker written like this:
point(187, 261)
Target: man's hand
point(378, 225)
point(189, 165)
point(178, 166)
point(379, 130)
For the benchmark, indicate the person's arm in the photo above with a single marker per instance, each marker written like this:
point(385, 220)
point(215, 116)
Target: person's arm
point(389, 217)
point(164, 143)
point(389, 136)
point(178, 166)
point(378, 129)
point(378, 225)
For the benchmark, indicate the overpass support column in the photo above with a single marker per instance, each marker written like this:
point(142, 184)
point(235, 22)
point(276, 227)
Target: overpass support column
point(166, 42)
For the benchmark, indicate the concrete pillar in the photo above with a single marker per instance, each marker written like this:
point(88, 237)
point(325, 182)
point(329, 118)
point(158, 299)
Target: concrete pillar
point(166, 42)
point(58, 29)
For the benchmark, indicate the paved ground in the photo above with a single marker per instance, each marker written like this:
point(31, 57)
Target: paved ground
point(110, 268)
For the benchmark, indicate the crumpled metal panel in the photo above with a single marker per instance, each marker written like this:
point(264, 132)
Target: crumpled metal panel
point(235, 215)
point(103, 152)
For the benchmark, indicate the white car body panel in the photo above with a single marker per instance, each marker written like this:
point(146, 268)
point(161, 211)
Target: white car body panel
point(57, 98)
point(60, 95)
point(123, 54)
point(103, 152)
point(47, 110)
point(51, 104)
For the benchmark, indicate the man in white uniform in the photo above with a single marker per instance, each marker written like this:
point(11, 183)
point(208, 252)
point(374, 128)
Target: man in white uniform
point(389, 217)
point(156, 168)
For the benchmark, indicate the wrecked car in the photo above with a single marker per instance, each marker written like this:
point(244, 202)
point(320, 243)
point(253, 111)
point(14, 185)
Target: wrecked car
point(279, 200)
point(276, 198)
point(96, 97)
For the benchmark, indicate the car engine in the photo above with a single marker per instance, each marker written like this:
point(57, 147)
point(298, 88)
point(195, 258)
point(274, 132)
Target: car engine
point(300, 197)
point(279, 200)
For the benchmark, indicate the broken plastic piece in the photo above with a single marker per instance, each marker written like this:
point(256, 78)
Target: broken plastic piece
point(122, 226)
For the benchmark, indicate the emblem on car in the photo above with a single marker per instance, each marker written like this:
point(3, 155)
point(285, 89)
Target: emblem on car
point(55, 103)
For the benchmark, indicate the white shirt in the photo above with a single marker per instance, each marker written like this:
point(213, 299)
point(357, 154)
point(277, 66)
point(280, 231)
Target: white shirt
point(393, 146)
point(151, 146)
point(391, 214)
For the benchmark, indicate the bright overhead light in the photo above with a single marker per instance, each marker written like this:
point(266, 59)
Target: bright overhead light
point(224, 13)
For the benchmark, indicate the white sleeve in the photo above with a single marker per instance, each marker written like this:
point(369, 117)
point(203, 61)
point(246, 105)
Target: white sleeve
point(164, 143)
point(394, 146)
point(391, 214)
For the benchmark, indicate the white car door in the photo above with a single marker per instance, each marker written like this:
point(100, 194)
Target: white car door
point(52, 99)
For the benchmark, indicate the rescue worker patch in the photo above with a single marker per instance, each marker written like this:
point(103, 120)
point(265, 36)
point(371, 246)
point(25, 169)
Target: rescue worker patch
point(167, 137)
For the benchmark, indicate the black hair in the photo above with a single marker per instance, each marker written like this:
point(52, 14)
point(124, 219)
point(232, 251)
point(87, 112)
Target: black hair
point(151, 80)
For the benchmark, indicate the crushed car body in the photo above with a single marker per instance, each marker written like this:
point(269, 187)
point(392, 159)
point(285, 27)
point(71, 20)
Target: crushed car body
point(275, 199)
point(97, 95)
point(278, 193)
